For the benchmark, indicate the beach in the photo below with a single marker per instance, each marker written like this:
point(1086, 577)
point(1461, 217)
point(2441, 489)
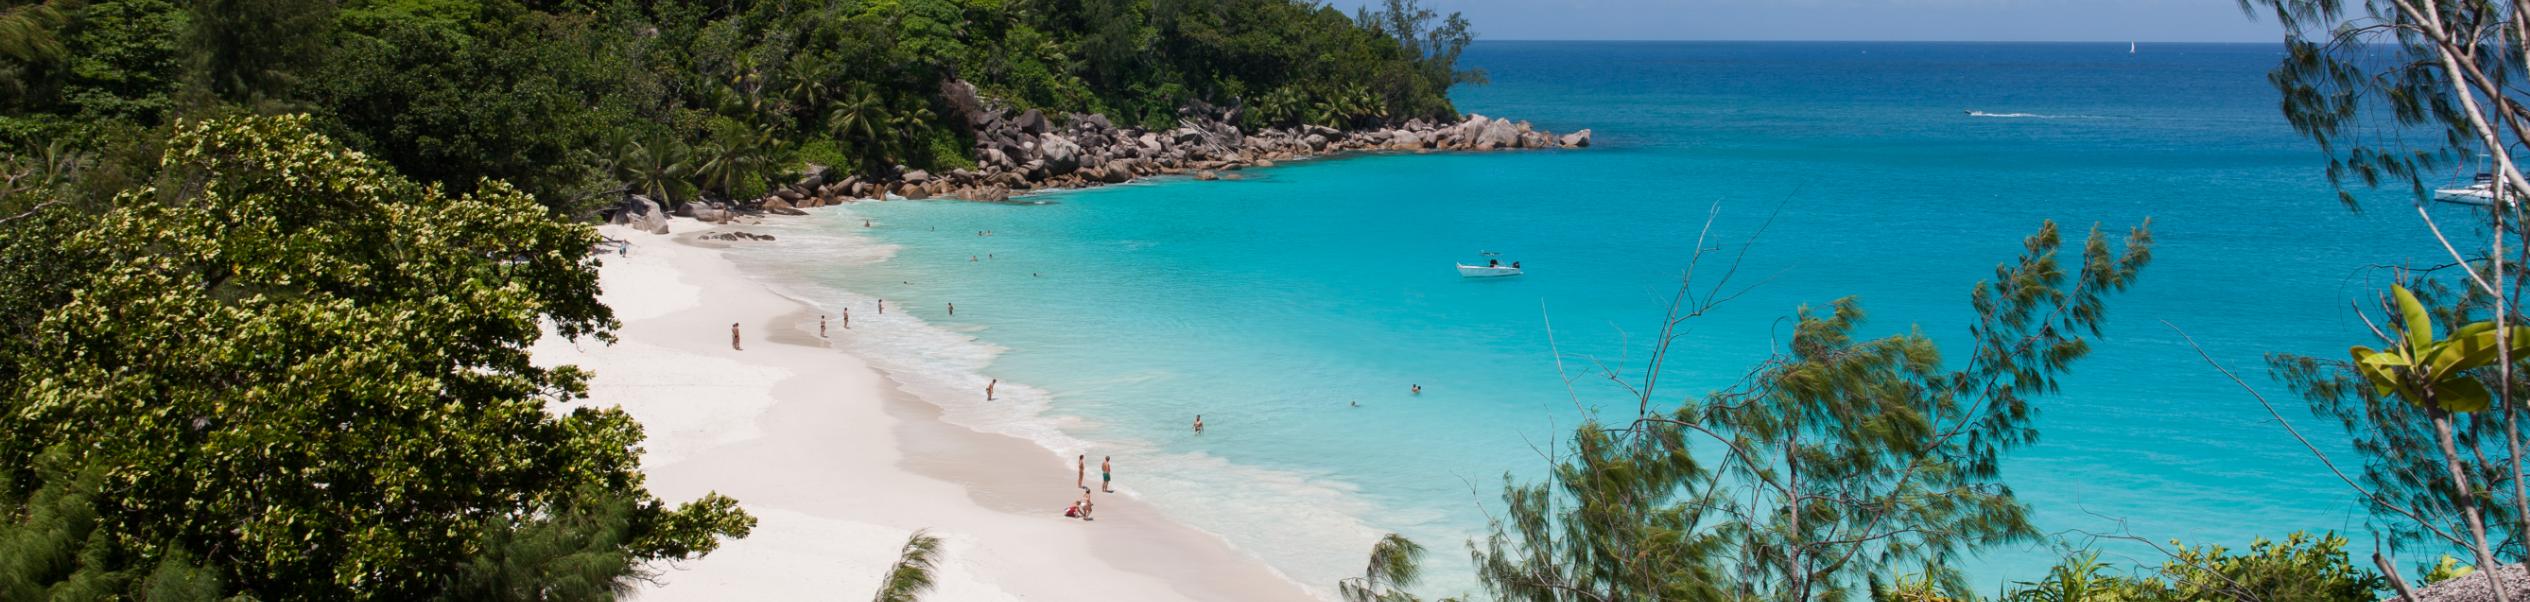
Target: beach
point(840, 466)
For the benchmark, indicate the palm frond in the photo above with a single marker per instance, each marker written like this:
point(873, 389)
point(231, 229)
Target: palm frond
point(911, 576)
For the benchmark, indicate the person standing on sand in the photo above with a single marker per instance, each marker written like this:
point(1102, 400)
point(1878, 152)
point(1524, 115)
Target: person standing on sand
point(1080, 473)
point(882, 307)
point(988, 389)
point(847, 318)
point(733, 337)
point(821, 326)
point(1107, 474)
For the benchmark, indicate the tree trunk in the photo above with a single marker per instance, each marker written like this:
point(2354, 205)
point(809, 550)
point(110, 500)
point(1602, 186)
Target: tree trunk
point(2468, 503)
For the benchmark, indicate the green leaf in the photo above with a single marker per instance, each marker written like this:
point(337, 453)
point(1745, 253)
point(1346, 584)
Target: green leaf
point(2419, 324)
point(2460, 395)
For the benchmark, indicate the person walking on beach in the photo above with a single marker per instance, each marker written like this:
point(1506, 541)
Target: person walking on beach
point(733, 337)
point(1080, 472)
point(847, 318)
point(1107, 474)
point(821, 326)
point(882, 307)
point(988, 389)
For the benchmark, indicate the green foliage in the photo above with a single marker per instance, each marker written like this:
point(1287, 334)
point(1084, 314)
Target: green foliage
point(911, 575)
point(1395, 564)
point(256, 52)
point(2429, 372)
point(2079, 578)
point(1840, 461)
point(578, 552)
point(311, 374)
point(2300, 568)
point(1910, 588)
point(2447, 569)
point(543, 95)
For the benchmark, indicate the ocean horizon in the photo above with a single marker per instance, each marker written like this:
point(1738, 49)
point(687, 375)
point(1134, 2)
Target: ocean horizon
point(1897, 173)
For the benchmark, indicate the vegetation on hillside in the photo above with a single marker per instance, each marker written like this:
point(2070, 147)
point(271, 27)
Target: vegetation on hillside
point(576, 101)
point(293, 374)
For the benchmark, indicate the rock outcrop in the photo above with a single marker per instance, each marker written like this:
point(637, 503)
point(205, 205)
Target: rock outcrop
point(1017, 151)
point(640, 213)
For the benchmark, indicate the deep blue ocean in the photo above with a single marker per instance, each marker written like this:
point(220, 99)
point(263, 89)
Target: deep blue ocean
point(1899, 173)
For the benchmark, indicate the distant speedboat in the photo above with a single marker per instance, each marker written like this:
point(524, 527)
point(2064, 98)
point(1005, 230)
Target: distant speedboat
point(1493, 268)
point(2480, 193)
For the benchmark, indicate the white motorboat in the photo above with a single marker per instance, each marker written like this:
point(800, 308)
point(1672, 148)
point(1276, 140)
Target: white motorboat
point(1487, 271)
point(2480, 193)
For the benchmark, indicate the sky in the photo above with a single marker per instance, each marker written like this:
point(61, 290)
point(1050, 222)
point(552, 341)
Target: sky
point(1871, 20)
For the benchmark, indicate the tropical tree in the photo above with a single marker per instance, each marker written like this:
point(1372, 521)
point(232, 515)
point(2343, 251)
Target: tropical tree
point(2434, 374)
point(2396, 92)
point(257, 52)
point(30, 41)
point(911, 575)
point(311, 376)
point(2081, 577)
point(657, 168)
point(861, 120)
point(1838, 461)
point(1395, 564)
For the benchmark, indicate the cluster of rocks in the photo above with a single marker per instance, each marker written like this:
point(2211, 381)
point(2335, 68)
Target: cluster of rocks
point(2474, 587)
point(735, 235)
point(1017, 151)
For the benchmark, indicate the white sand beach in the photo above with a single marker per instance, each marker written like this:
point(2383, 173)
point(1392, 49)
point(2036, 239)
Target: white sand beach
point(840, 466)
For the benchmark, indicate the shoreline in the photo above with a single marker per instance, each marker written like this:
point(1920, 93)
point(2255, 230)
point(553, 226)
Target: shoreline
point(840, 462)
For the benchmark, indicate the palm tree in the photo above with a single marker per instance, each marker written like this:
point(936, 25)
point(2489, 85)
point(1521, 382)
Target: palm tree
point(29, 33)
point(1394, 565)
point(910, 577)
point(910, 124)
point(857, 121)
point(657, 169)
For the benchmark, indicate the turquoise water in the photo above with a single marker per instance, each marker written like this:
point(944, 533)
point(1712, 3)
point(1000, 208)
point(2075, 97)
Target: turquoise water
point(1112, 317)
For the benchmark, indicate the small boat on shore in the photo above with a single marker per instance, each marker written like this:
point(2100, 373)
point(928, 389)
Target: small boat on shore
point(2480, 193)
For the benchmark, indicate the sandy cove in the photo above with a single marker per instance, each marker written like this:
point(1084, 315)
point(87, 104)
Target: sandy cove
point(840, 466)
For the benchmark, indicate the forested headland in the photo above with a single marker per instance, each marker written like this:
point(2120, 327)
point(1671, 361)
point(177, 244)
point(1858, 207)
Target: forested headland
point(576, 103)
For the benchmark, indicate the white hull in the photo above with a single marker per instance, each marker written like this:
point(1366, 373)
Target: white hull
point(2474, 195)
point(1479, 271)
